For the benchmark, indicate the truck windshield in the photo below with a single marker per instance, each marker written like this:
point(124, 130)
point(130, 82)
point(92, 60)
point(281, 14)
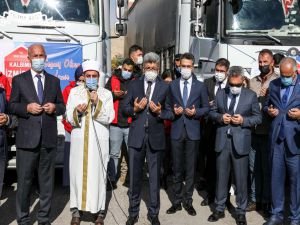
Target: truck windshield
point(272, 17)
point(67, 10)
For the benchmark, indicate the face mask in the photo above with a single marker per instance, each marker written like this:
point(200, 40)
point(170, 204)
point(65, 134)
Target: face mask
point(139, 60)
point(286, 81)
point(235, 90)
point(277, 70)
point(126, 75)
point(220, 76)
point(151, 75)
point(264, 69)
point(186, 73)
point(91, 84)
point(38, 64)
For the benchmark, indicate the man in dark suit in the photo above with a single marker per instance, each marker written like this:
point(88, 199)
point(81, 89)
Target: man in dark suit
point(187, 102)
point(145, 102)
point(6, 121)
point(213, 84)
point(283, 106)
point(236, 110)
point(36, 100)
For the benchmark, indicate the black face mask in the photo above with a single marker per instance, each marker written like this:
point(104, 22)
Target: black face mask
point(264, 69)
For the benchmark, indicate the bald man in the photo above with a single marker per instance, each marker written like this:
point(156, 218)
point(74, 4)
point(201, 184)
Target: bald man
point(282, 106)
point(36, 100)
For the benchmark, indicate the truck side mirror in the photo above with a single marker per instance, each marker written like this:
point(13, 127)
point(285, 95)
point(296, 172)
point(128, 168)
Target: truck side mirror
point(121, 9)
point(121, 29)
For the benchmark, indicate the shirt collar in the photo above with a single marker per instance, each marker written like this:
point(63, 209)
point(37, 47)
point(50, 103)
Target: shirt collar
point(33, 73)
point(188, 80)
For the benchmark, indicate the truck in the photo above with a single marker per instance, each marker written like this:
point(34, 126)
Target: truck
point(70, 30)
point(210, 29)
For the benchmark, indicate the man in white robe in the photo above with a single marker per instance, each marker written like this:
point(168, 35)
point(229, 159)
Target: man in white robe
point(90, 111)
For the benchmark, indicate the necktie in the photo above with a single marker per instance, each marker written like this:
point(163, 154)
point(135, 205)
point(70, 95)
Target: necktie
point(40, 88)
point(185, 93)
point(220, 87)
point(148, 90)
point(232, 104)
point(284, 99)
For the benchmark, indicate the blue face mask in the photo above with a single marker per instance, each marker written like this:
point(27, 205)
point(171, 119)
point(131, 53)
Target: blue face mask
point(91, 84)
point(286, 81)
point(38, 64)
point(126, 75)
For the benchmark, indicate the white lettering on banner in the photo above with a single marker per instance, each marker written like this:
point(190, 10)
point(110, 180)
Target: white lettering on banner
point(70, 64)
point(11, 73)
point(19, 64)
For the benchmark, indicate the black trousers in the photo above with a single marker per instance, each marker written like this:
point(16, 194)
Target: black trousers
point(41, 160)
point(136, 163)
point(184, 155)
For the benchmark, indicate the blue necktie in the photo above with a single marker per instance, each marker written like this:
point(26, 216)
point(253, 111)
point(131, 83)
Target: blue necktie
point(232, 104)
point(40, 88)
point(284, 101)
point(185, 93)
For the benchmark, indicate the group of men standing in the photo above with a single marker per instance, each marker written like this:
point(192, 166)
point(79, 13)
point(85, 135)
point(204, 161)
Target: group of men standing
point(255, 127)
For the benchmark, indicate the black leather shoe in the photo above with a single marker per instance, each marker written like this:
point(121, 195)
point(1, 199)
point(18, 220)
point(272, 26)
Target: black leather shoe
point(216, 216)
point(132, 220)
point(274, 221)
point(190, 209)
point(240, 219)
point(174, 208)
point(153, 220)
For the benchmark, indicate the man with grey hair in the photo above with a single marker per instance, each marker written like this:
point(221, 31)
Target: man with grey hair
point(235, 112)
point(145, 103)
point(283, 107)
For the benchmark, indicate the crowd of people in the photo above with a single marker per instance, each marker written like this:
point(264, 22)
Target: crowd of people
point(225, 132)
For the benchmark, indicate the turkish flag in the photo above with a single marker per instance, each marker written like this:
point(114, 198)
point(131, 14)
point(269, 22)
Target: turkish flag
point(286, 5)
point(25, 2)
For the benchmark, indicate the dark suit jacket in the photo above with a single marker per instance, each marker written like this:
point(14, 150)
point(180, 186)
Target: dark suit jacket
point(210, 84)
point(291, 126)
point(156, 130)
point(248, 108)
point(33, 128)
point(198, 97)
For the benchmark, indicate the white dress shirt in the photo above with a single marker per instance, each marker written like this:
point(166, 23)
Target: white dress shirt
point(223, 85)
point(189, 85)
point(152, 88)
point(35, 80)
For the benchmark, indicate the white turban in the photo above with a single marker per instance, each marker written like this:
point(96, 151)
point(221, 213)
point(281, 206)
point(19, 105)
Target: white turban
point(91, 65)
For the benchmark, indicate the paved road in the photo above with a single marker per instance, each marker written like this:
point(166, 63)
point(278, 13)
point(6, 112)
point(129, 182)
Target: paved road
point(60, 212)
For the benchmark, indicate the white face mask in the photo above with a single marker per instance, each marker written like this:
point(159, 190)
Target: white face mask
point(151, 75)
point(139, 60)
point(220, 76)
point(277, 70)
point(235, 90)
point(186, 73)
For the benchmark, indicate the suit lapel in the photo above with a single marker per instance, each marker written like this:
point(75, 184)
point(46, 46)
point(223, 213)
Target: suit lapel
point(241, 98)
point(156, 91)
point(29, 80)
point(47, 87)
point(192, 92)
point(296, 89)
point(178, 91)
point(225, 98)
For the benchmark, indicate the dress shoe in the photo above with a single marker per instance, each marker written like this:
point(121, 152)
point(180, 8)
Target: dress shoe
point(274, 221)
point(251, 206)
point(216, 216)
point(99, 220)
point(132, 220)
point(153, 220)
point(174, 208)
point(240, 219)
point(75, 221)
point(190, 209)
